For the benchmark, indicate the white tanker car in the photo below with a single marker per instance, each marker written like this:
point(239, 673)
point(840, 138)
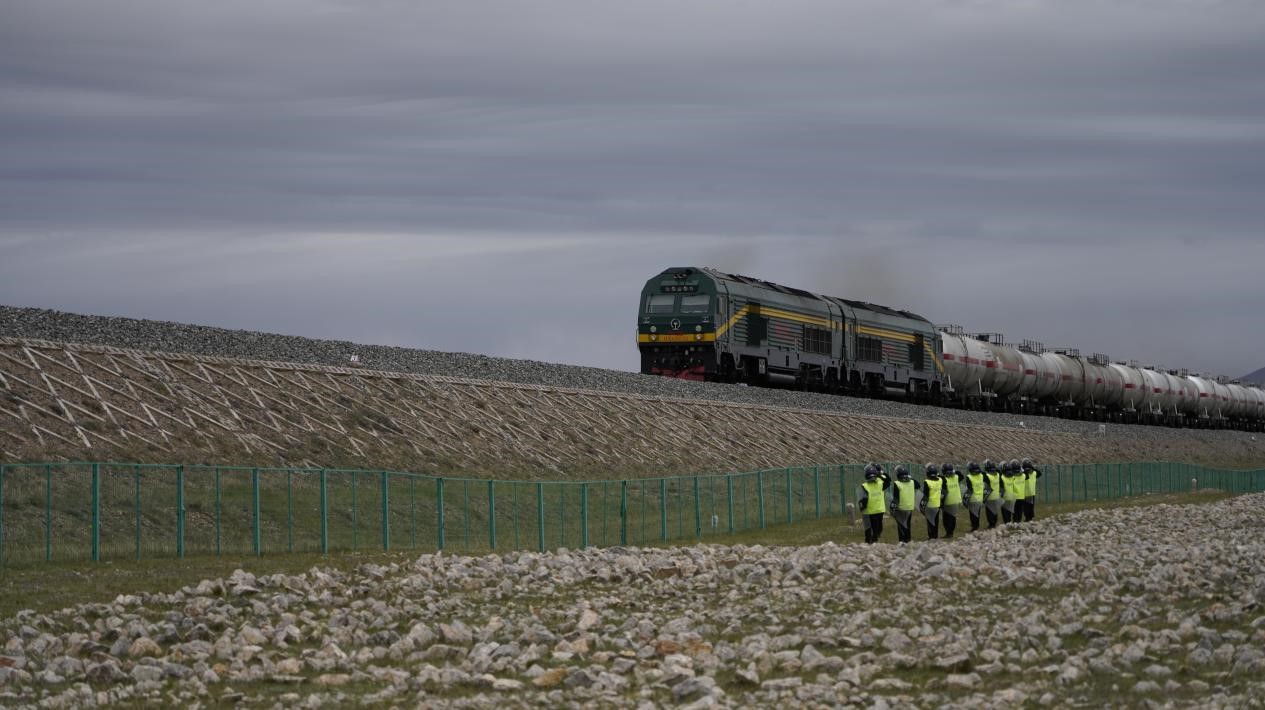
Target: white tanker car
point(982, 371)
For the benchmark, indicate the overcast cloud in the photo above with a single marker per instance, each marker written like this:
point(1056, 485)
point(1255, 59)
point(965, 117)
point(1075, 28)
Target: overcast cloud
point(503, 176)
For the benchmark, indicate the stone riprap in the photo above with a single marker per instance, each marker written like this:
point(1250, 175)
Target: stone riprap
point(1153, 606)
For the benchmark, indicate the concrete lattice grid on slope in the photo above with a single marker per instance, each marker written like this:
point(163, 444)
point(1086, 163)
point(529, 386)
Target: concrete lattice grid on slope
point(79, 402)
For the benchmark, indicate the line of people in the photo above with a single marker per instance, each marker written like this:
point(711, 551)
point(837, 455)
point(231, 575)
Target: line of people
point(1007, 492)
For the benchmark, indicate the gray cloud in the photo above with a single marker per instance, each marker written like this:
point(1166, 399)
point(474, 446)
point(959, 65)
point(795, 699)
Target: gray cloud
point(1084, 172)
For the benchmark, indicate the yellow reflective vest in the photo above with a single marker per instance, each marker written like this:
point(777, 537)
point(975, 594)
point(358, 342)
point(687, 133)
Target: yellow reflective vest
point(952, 490)
point(1014, 487)
point(1031, 483)
point(977, 487)
point(875, 501)
point(905, 494)
point(994, 484)
point(935, 487)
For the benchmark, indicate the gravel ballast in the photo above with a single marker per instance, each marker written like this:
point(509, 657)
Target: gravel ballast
point(203, 340)
point(1148, 606)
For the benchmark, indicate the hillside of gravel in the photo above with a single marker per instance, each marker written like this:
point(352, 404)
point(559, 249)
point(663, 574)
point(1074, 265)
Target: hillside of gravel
point(165, 336)
point(1155, 605)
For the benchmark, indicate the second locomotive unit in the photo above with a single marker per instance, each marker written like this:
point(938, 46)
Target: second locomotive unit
point(703, 324)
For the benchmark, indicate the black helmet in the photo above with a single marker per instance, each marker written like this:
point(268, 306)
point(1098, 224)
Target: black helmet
point(1014, 464)
point(872, 471)
point(932, 471)
point(1027, 463)
point(972, 467)
point(947, 469)
point(989, 465)
point(902, 472)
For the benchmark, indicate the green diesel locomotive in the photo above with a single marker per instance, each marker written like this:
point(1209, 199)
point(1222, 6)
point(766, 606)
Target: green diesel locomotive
point(703, 324)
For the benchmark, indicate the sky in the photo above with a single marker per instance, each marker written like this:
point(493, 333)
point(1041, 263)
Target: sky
point(502, 177)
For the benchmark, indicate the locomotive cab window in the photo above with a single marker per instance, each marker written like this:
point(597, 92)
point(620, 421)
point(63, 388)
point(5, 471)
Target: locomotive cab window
point(660, 303)
point(695, 304)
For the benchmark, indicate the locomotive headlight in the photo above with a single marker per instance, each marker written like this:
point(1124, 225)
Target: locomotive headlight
point(654, 329)
point(698, 329)
point(698, 336)
point(654, 337)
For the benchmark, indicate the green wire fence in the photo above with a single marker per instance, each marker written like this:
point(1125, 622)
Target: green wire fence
point(101, 511)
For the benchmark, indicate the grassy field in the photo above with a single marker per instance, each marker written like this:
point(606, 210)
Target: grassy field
point(49, 586)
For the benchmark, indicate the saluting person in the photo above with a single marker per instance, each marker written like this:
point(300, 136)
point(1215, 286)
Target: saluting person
point(1030, 475)
point(976, 490)
point(904, 501)
point(952, 498)
point(992, 499)
point(872, 501)
point(932, 495)
point(1013, 490)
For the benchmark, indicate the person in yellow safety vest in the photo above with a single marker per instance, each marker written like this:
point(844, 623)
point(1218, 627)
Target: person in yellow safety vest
point(872, 501)
point(952, 502)
point(976, 490)
point(1012, 491)
point(932, 495)
point(1030, 475)
point(904, 501)
point(992, 495)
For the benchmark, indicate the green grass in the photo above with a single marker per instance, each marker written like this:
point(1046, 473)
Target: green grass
point(49, 586)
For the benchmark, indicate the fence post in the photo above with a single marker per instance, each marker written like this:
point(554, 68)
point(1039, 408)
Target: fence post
point(465, 512)
point(323, 486)
point(355, 510)
point(48, 512)
point(843, 496)
point(136, 482)
point(663, 509)
point(623, 513)
point(514, 508)
point(759, 495)
point(289, 510)
point(492, 515)
point(788, 496)
point(180, 512)
point(540, 517)
point(584, 516)
point(698, 512)
point(817, 491)
point(96, 512)
point(1, 515)
point(729, 499)
point(412, 510)
point(439, 512)
point(386, 510)
point(256, 537)
point(217, 511)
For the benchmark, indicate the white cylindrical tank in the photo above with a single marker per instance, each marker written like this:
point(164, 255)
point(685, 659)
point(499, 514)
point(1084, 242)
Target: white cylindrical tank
point(1157, 394)
point(1113, 386)
point(1238, 400)
point(1071, 378)
point(1176, 395)
point(1050, 374)
point(962, 377)
point(1223, 398)
point(1205, 395)
point(1189, 403)
point(1258, 411)
point(1009, 369)
point(1131, 387)
point(1094, 385)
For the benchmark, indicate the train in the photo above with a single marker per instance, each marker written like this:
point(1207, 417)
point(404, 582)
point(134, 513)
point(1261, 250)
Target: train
point(699, 323)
